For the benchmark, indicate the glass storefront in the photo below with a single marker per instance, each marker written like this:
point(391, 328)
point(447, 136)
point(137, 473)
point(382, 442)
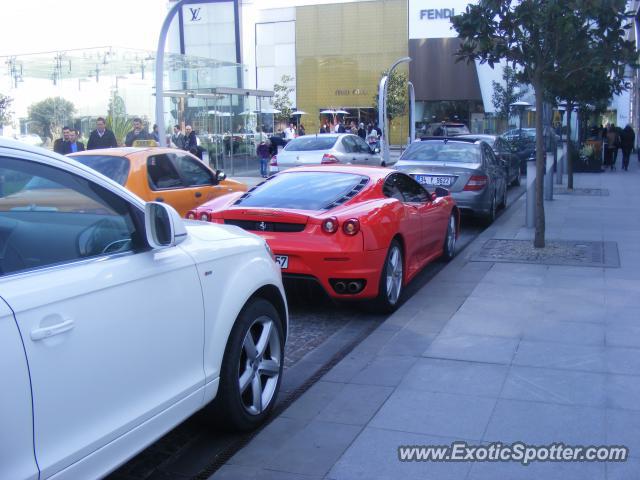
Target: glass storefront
point(341, 52)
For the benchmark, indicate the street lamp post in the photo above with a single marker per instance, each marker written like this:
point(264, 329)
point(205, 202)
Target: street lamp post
point(382, 109)
point(160, 70)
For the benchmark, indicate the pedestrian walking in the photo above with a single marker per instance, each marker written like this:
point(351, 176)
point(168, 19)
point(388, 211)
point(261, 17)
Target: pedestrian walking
point(138, 133)
point(191, 142)
point(73, 145)
point(324, 128)
point(613, 141)
point(177, 139)
point(628, 140)
point(289, 133)
point(263, 152)
point(301, 131)
point(155, 134)
point(101, 137)
point(362, 133)
point(60, 145)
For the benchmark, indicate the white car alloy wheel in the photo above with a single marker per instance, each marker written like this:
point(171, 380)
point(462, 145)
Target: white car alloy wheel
point(259, 366)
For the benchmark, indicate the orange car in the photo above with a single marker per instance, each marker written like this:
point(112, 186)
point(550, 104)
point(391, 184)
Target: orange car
point(161, 174)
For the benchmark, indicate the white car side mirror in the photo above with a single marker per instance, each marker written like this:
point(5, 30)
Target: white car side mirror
point(163, 225)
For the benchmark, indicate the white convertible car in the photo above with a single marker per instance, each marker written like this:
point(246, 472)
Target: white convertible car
point(118, 320)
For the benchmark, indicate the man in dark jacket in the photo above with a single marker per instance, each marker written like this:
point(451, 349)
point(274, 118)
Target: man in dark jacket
point(138, 133)
point(628, 141)
point(191, 142)
point(73, 145)
point(101, 137)
point(60, 145)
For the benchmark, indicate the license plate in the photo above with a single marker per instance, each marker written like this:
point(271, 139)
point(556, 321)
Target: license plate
point(283, 261)
point(434, 180)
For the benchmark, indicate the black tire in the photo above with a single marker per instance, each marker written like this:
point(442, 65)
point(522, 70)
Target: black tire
point(388, 301)
point(503, 203)
point(516, 181)
point(449, 249)
point(230, 409)
point(491, 215)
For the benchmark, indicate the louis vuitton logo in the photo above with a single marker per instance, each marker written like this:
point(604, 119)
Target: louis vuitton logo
point(195, 14)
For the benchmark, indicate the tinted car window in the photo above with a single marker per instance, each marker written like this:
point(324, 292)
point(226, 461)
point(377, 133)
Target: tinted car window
point(44, 227)
point(193, 172)
point(362, 145)
point(309, 143)
point(162, 173)
point(116, 168)
point(410, 189)
point(440, 151)
point(349, 145)
point(302, 190)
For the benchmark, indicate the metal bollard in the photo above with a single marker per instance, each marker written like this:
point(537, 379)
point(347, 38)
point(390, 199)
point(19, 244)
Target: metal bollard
point(562, 158)
point(548, 178)
point(531, 194)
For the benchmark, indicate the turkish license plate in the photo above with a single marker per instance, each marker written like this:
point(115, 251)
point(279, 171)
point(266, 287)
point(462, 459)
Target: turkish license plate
point(434, 180)
point(283, 261)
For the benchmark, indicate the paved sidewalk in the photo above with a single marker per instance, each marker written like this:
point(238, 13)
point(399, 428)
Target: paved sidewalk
point(485, 352)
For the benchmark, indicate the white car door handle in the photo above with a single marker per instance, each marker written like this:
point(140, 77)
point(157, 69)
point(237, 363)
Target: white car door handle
point(46, 332)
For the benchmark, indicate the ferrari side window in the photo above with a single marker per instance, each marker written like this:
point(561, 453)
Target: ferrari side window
point(391, 190)
point(412, 191)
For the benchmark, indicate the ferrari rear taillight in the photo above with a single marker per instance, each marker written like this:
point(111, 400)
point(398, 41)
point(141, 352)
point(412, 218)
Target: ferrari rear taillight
point(330, 225)
point(328, 159)
point(351, 226)
point(204, 217)
point(476, 182)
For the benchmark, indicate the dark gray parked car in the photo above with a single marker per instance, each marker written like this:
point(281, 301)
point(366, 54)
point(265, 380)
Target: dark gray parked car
point(505, 153)
point(470, 170)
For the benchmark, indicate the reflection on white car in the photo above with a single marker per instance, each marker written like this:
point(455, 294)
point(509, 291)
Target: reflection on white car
point(118, 322)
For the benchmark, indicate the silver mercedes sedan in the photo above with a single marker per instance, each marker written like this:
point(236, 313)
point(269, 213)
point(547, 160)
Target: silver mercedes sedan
point(326, 148)
point(468, 168)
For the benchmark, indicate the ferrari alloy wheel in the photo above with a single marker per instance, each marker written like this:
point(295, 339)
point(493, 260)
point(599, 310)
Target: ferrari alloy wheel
point(251, 369)
point(390, 289)
point(450, 239)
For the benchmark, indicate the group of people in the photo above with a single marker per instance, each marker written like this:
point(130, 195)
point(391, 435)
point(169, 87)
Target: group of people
point(370, 134)
point(615, 139)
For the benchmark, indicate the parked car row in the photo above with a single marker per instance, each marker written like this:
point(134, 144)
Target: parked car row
point(102, 293)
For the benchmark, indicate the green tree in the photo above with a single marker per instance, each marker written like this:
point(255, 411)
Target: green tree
point(281, 98)
point(504, 96)
point(397, 94)
point(117, 120)
point(607, 59)
point(5, 114)
point(51, 114)
point(533, 35)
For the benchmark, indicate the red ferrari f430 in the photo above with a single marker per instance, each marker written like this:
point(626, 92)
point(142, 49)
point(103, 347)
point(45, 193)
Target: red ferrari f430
point(361, 232)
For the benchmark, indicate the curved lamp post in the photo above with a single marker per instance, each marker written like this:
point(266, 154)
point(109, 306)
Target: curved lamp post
point(160, 71)
point(382, 109)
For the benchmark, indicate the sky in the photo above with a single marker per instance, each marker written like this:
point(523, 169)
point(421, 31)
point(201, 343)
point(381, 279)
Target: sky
point(32, 26)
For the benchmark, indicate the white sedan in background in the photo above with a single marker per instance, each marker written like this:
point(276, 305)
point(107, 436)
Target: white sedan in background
point(326, 149)
point(118, 320)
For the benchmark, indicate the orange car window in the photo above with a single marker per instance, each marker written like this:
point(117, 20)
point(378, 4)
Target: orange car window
point(193, 171)
point(162, 173)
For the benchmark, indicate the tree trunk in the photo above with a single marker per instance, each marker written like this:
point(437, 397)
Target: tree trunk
point(541, 155)
point(568, 157)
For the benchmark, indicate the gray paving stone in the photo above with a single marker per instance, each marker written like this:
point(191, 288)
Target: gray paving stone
point(622, 299)
point(555, 386)
point(314, 400)
point(384, 370)
point(623, 316)
point(453, 376)
point(349, 366)
point(623, 391)
point(623, 470)
point(408, 342)
point(477, 348)
point(482, 324)
point(355, 404)
point(561, 356)
point(623, 336)
point(546, 423)
point(579, 333)
point(268, 442)
point(314, 449)
point(374, 456)
point(537, 471)
point(238, 472)
point(505, 290)
point(623, 428)
point(431, 413)
point(623, 360)
point(500, 307)
point(428, 322)
point(439, 304)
